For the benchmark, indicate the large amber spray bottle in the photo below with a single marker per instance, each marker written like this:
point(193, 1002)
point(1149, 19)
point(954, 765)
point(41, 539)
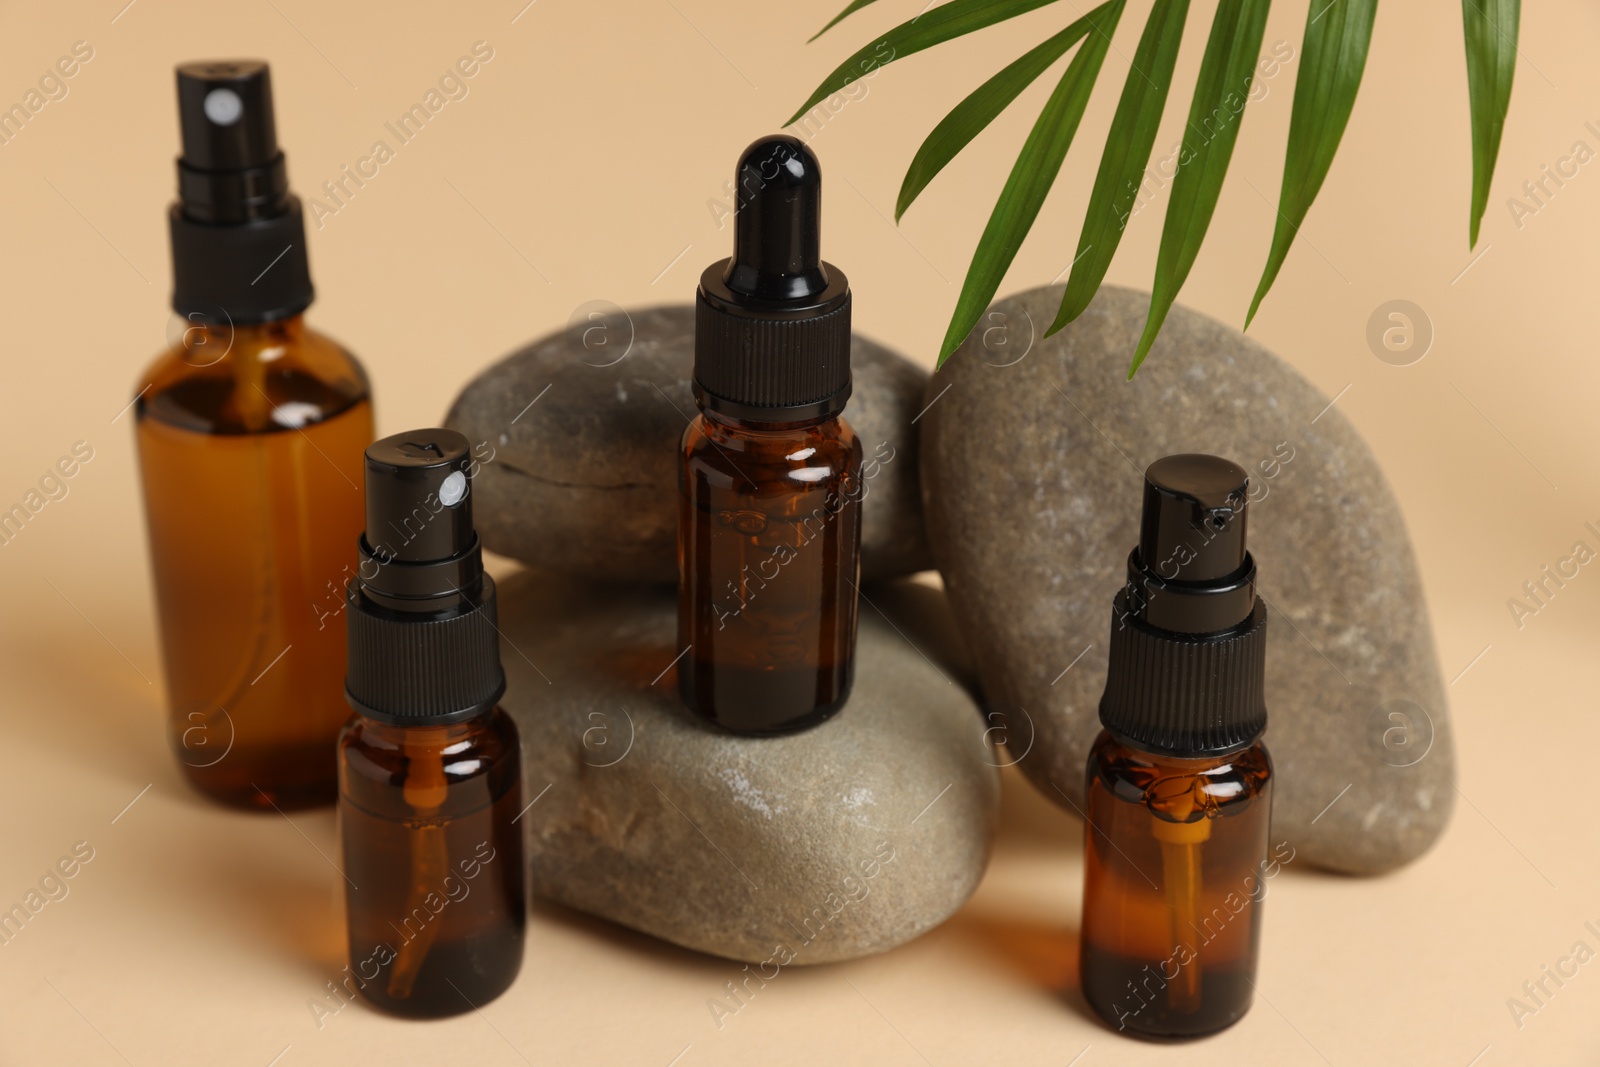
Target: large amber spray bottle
point(769, 535)
point(1179, 782)
point(430, 771)
point(250, 430)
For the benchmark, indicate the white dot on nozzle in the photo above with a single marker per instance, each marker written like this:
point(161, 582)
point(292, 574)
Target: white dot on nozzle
point(453, 489)
point(223, 106)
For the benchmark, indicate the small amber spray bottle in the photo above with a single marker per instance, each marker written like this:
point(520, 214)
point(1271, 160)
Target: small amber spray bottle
point(430, 773)
point(250, 431)
point(1179, 783)
point(769, 534)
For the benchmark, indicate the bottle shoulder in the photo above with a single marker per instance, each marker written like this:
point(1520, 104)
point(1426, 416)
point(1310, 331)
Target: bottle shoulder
point(1180, 788)
point(802, 456)
point(374, 754)
point(251, 379)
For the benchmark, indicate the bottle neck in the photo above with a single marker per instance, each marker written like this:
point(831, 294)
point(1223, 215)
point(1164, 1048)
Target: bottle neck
point(728, 424)
point(440, 737)
point(1166, 764)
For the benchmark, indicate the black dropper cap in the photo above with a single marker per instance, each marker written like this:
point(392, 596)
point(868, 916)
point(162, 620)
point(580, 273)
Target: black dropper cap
point(238, 234)
point(424, 643)
point(1188, 635)
point(772, 322)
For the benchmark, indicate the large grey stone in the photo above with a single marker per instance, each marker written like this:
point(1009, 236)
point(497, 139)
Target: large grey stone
point(1032, 474)
point(585, 480)
point(844, 840)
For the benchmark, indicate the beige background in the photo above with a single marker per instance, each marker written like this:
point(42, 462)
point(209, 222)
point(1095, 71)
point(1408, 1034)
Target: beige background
point(579, 168)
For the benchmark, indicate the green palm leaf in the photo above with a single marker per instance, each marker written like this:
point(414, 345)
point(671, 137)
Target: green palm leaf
point(972, 115)
point(1215, 115)
point(1337, 38)
point(945, 22)
point(1031, 177)
point(1333, 58)
point(1127, 152)
point(840, 17)
point(1491, 32)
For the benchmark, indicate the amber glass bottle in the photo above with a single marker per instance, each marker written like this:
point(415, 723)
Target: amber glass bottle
point(1179, 783)
point(250, 431)
point(1173, 884)
point(430, 772)
point(773, 644)
point(435, 901)
point(769, 540)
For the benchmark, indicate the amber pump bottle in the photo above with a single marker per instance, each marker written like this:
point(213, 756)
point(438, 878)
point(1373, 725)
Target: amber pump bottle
point(430, 772)
point(250, 430)
point(1179, 782)
point(769, 535)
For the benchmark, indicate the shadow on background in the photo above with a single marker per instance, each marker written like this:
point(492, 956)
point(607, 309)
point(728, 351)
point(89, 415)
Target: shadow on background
point(1044, 954)
point(103, 712)
point(624, 939)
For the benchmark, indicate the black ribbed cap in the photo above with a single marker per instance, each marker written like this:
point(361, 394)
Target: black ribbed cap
point(424, 638)
point(238, 235)
point(772, 322)
point(1187, 673)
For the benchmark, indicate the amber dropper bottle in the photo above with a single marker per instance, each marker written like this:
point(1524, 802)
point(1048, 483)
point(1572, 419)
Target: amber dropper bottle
point(250, 430)
point(430, 772)
point(769, 534)
point(1179, 782)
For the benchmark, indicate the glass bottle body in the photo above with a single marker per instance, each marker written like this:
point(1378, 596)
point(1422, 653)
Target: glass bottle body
point(1175, 869)
point(250, 453)
point(769, 554)
point(435, 893)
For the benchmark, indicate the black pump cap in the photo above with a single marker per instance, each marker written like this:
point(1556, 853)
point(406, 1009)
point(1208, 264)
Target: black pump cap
point(1188, 636)
point(238, 236)
point(413, 470)
point(1197, 501)
point(1191, 573)
point(225, 111)
point(424, 646)
point(231, 170)
point(772, 323)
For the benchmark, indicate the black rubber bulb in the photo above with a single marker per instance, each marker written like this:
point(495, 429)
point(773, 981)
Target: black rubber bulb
point(777, 245)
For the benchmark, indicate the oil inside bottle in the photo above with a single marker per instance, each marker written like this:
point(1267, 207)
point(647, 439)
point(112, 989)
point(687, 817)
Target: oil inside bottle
point(1176, 869)
point(435, 870)
point(252, 470)
point(771, 526)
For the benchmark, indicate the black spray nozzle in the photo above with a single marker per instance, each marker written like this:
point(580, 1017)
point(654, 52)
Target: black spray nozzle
point(1191, 572)
point(231, 170)
point(225, 109)
point(424, 647)
point(419, 502)
point(1186, 671)
point(1193, 525)
point(238, 235)
point(777, 243)
point(419, 547)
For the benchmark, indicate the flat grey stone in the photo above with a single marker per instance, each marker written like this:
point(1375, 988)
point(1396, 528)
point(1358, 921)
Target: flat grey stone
point(1032, 474)
point(585, 480)
point(844, 840)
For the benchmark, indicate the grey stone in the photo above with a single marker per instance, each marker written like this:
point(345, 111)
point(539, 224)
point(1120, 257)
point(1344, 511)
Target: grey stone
point(1032, 475)
point(847, 839)
point(585, 480)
